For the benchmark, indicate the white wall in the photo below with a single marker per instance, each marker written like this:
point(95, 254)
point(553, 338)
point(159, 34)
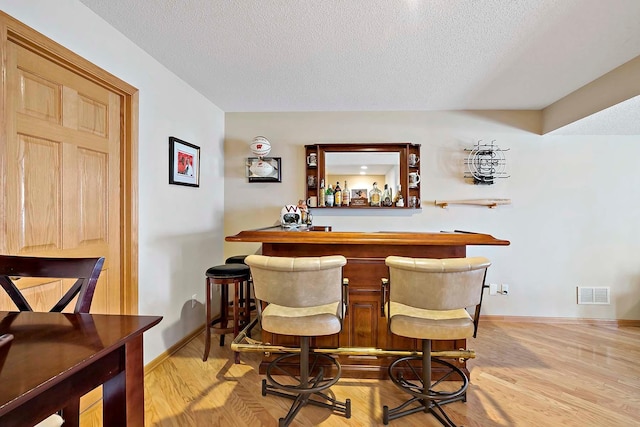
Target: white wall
point(573, 221)
point(180, 228)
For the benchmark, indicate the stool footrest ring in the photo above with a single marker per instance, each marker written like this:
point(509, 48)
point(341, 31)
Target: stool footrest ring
point(430, 397)
point(316, 383)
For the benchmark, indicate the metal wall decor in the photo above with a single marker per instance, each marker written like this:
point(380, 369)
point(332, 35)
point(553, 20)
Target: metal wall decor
point(485, 163)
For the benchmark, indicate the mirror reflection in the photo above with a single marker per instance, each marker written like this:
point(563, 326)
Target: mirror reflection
point(362, 169)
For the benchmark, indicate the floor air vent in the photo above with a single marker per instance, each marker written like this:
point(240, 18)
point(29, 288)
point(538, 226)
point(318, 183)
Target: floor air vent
point(588, 295)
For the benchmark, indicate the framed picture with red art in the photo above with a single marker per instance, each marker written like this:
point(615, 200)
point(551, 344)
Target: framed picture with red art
point(184, 163)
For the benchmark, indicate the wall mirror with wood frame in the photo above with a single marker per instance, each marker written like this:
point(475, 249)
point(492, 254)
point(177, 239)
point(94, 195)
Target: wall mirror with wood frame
point(360, 165)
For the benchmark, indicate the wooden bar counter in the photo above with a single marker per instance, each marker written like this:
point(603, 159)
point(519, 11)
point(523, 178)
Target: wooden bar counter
point(365, 324)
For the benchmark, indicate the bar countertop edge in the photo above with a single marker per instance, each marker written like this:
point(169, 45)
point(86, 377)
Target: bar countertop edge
point(276, 234)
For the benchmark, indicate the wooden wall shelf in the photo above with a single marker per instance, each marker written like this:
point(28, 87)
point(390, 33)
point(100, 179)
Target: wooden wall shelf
point(490, 203)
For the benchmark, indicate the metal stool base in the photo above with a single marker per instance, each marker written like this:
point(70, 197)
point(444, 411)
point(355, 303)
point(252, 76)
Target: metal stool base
point(431, 400)
point(305, 390)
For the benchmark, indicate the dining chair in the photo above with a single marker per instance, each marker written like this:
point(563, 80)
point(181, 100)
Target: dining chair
point(86, 272)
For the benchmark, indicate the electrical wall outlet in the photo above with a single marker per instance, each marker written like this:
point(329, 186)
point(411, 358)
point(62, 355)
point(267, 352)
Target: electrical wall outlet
point(493, 289)
point(194, 298)
point(504, 289)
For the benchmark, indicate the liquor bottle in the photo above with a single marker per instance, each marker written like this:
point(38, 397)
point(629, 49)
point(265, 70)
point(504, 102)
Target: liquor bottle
point(321, 195)
point(328, 199)
point(395, 197)
point(386, 196)
point(375, 195)
point(346, 197)
point(337, 195)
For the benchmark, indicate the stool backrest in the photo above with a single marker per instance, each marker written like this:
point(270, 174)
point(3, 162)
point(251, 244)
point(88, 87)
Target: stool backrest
point(85, 270)
point(437, 284)
point(297, 282)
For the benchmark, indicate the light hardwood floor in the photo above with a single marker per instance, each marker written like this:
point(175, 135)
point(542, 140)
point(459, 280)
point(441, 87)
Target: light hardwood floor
point(525, 374)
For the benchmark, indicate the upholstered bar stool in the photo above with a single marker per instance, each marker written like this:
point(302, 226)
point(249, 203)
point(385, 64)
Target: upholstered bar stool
point(305, 299)
point(429, 300)
point(225, 276)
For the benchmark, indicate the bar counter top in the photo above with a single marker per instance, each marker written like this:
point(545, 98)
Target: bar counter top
point(318, 235)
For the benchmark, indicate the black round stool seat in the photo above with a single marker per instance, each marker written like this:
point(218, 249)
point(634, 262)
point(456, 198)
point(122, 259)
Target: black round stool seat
point(228, 271)
point(236, 259)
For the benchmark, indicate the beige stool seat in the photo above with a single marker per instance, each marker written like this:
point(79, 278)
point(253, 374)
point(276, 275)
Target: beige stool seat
point(308, 321)
point(430, 324)
point(429, 300)
point(305, 298)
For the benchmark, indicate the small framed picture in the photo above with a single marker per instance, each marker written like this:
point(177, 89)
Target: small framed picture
point(184, 163)
point(267, 169)
point(359, 193)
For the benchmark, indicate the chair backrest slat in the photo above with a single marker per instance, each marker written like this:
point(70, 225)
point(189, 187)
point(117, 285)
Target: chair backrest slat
point(85, 270)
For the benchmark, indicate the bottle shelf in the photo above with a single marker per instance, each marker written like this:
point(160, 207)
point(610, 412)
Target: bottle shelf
point(316, 157)
point(366, 207)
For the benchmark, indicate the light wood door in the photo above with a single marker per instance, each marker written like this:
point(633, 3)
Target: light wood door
point(68, 167)
point(62, 173)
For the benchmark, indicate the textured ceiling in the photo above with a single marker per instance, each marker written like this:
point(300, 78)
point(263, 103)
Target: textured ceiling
point(382, 55)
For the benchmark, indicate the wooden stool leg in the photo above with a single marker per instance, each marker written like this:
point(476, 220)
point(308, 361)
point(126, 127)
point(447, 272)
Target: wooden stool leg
point(248, 303)
point(207, 338)
point(224, 310)
point(236, 314)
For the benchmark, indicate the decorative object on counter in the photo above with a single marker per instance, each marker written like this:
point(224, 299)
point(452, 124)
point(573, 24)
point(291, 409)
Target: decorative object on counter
point(359, 197)
point(387, 199)
point(375, 195)
point(490, 203)
point(305, 215)
point(346, 195)
point(329, 197)
point(337, 195)
point(312, 201)
point(485, 163)
point(398, 196)
point(414, 179)
point(312, 160)
point(260, 146)
point(290, 216)
point(311, 181)
point(321, 195)
point(267, 169)
point(184, 163)
point(400, 201)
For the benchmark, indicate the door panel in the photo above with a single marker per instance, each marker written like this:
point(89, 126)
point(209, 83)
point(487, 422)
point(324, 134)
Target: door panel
point(39, 208)
point(63, 171)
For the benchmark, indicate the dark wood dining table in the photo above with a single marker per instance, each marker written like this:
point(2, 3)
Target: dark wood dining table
point(55, 358)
